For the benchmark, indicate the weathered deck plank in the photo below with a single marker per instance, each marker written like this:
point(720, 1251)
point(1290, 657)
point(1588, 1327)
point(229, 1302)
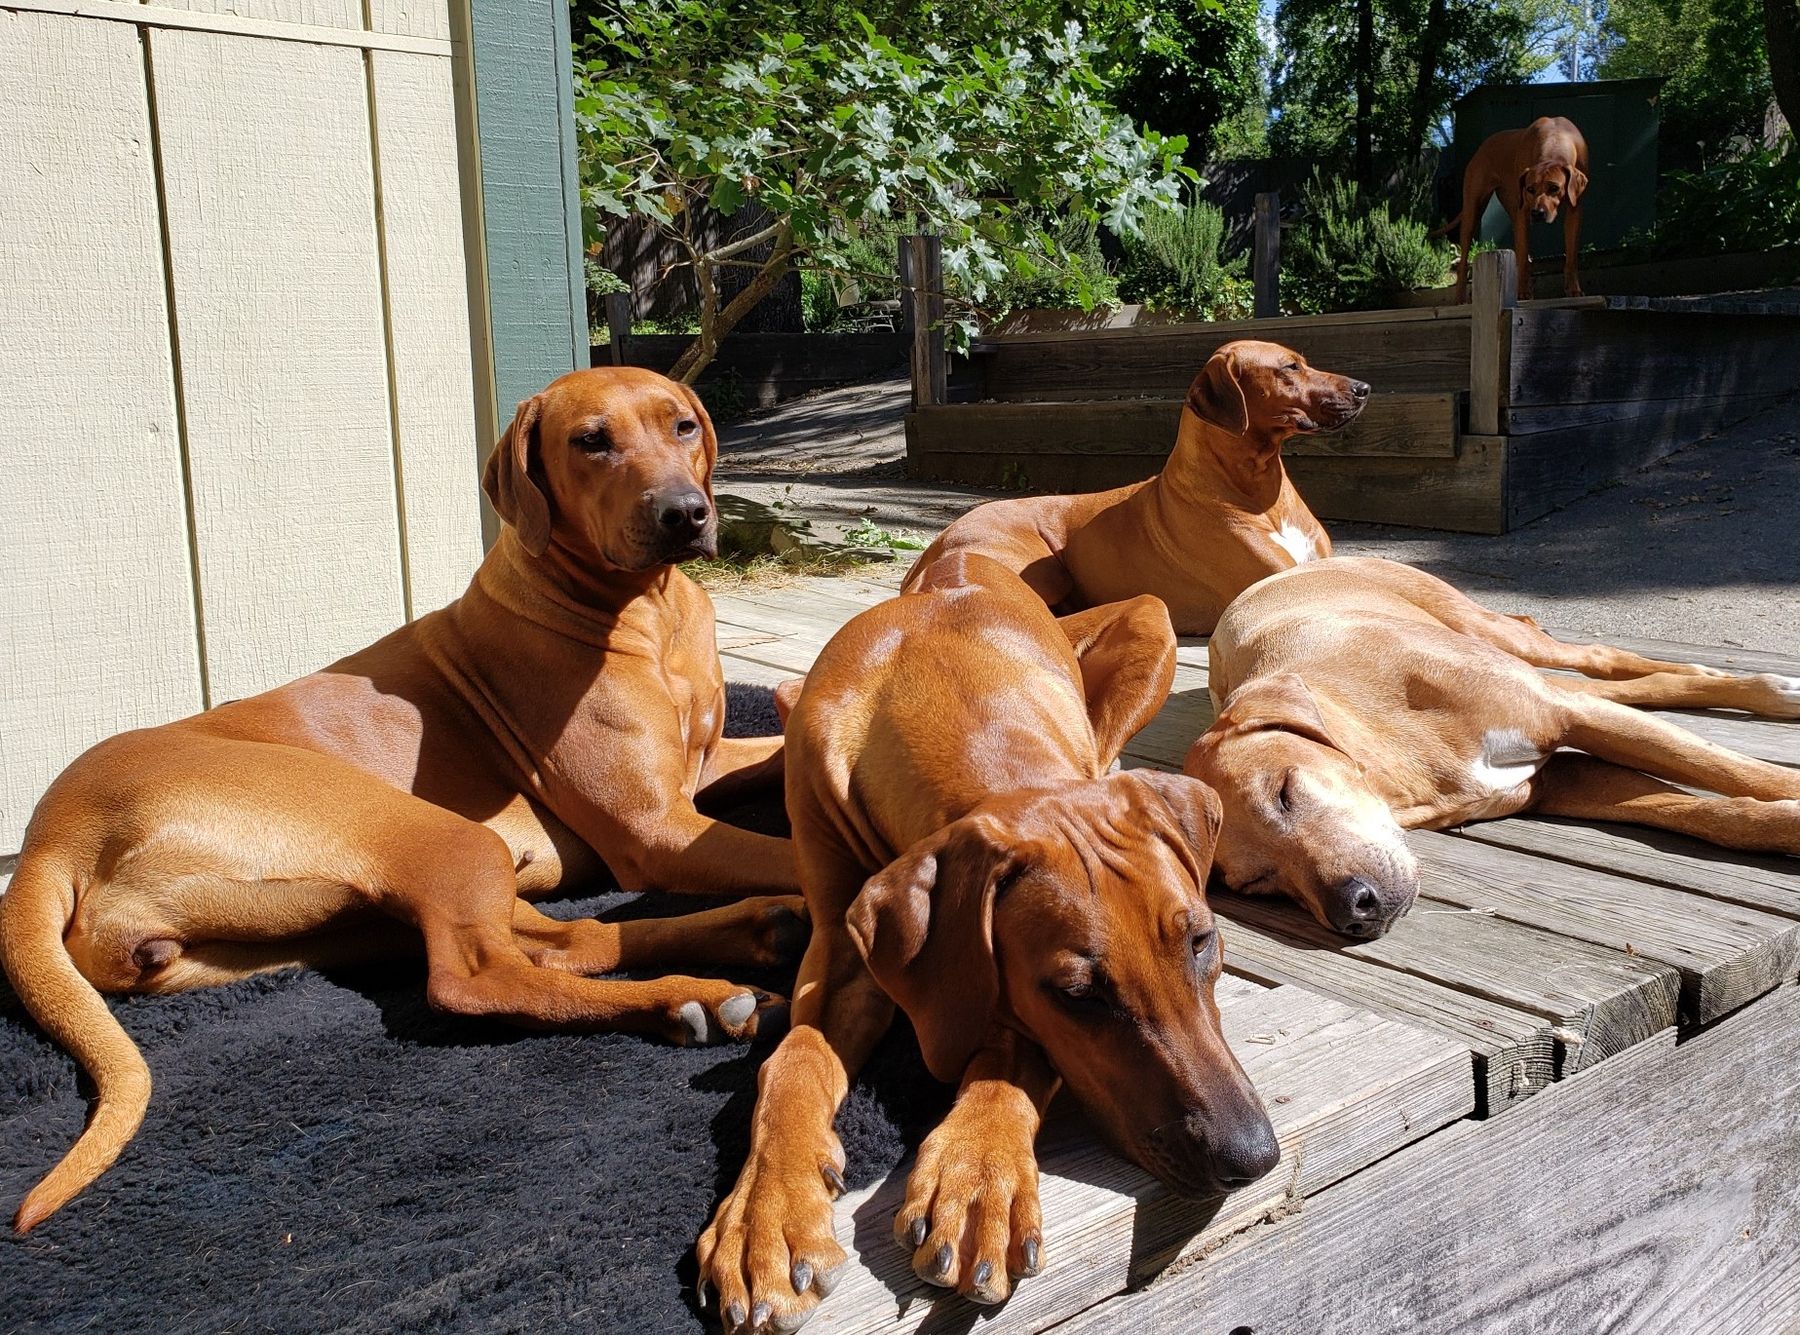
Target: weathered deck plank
point(1726, 954)
point(1768, 882)
point(1344, 1088)
point(1669, 1207)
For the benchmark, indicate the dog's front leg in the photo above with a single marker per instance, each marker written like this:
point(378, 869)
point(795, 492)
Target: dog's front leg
point(971, 1217)
point(770, 1253)
point(739, 767)
point(1571, 248)
point(1521, 221)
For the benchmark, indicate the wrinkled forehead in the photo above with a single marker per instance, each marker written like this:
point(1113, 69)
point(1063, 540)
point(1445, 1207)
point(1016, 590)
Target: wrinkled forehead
point(603, 397)
point(1257, 352)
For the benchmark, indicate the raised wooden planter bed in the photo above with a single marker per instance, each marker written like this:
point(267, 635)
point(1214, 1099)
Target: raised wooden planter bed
point(1484, 417)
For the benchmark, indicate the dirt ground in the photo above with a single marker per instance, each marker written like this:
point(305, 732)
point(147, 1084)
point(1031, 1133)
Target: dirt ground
point(1702, 547)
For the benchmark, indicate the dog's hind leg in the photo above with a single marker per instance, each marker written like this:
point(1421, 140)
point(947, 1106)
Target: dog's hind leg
point(1583, 788)
point(1766, 694)
point(1626, 736)
point(1126, 652)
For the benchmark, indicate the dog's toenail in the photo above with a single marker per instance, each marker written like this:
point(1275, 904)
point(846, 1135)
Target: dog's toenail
point(1031, 1254)
point(801, 1276)
point(983, 1273)
point(734, 1316)
point(833, 1178)
point(759, 1316)
point(700, 1293)
point(940, 1264)
point(916, 1234)
point(735, 1010)
point(693, 1015)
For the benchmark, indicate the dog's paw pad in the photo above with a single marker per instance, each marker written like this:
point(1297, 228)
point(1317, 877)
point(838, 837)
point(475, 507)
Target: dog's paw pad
point(695, 1020)
point(735, 1010)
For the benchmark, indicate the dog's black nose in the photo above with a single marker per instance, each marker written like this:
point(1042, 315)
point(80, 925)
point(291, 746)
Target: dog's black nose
point(1359, 390)
point(1247, 1153)
point(1354, 907)
point(687, 509)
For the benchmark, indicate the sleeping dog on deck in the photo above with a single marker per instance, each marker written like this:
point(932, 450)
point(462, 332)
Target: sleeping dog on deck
point(1359, 697)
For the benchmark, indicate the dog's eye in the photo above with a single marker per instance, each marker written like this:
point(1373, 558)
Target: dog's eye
point(1202, 942)
point(1083, 994)
point(1284, 796)
point(686, 428)
point(594, 442)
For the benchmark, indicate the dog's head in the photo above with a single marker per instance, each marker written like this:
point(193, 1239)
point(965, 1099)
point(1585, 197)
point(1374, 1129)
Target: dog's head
point(1300, 818)
point(1548, 186)
point(614, 464)
point(1079, 918)
point(1267, 393)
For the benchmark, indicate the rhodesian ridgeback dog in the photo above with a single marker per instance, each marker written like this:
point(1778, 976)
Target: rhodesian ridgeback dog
point(1220, 515)
point(566, 710)
point(1536, 172)
point(966, 856)
point(1360, 697)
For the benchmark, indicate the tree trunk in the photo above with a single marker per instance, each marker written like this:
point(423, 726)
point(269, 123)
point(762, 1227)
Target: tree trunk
point(1365, 93)
point(716, 321)
point(1431, 50)
point(1781, 25)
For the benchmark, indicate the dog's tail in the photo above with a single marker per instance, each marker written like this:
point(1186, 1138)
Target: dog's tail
point(1448, 227)
point(34, 915)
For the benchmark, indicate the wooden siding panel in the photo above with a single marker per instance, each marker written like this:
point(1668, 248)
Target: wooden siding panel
point(97, 616)
point(411, 18)
point(318, 13)
point(428, 321)
point(278, 313)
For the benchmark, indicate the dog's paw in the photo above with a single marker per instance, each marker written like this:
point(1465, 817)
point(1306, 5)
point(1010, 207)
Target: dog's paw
point(769, 1256)
point(721, 1012)
point(1780, 696)
point(777, 928)
point(971, 1217)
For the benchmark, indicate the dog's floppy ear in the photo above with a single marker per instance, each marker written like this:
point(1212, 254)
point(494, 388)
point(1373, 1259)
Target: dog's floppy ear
point(508, 482)
point(1280, 700)
point(708, 437)
point(925, 927)
point(1577, 184)
point(1196, 808)
point(1217, 397)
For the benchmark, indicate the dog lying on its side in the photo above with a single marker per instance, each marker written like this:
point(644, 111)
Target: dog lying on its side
point(1360, 697)
point(966, 856)
point(1220, 515)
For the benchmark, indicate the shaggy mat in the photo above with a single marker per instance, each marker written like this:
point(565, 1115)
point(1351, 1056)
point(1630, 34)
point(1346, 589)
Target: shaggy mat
point(327, 1153)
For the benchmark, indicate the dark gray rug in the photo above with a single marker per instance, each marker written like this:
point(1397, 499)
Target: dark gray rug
point(328, 1154)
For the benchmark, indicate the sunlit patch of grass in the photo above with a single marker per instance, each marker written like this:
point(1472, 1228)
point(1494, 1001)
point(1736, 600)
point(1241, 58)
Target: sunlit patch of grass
point(724, 573)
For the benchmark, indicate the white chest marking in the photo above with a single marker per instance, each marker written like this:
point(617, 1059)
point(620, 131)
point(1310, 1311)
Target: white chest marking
point(1295, 543)
point(1507, 760)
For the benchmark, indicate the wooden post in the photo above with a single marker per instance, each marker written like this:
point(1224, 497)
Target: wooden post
point(1494, 294)
point(925, 285)
point(1266, 279)
point(618, 324)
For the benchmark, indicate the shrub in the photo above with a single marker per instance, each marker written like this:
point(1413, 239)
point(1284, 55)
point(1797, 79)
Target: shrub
point(1764, 189)
point(1176, 265)
point(1355, 253)
point(1039, 278)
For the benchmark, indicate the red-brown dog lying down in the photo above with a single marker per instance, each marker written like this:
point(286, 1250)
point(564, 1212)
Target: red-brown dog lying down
point(1220, 516)
point(566, 709)
point(965, 855)
point(1362, 697)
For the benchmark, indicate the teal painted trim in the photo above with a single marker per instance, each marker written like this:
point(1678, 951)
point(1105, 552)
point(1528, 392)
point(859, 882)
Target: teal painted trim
point(565, 98)
point(524, 116)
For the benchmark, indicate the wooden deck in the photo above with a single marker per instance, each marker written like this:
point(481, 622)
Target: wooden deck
point(1538, 950)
